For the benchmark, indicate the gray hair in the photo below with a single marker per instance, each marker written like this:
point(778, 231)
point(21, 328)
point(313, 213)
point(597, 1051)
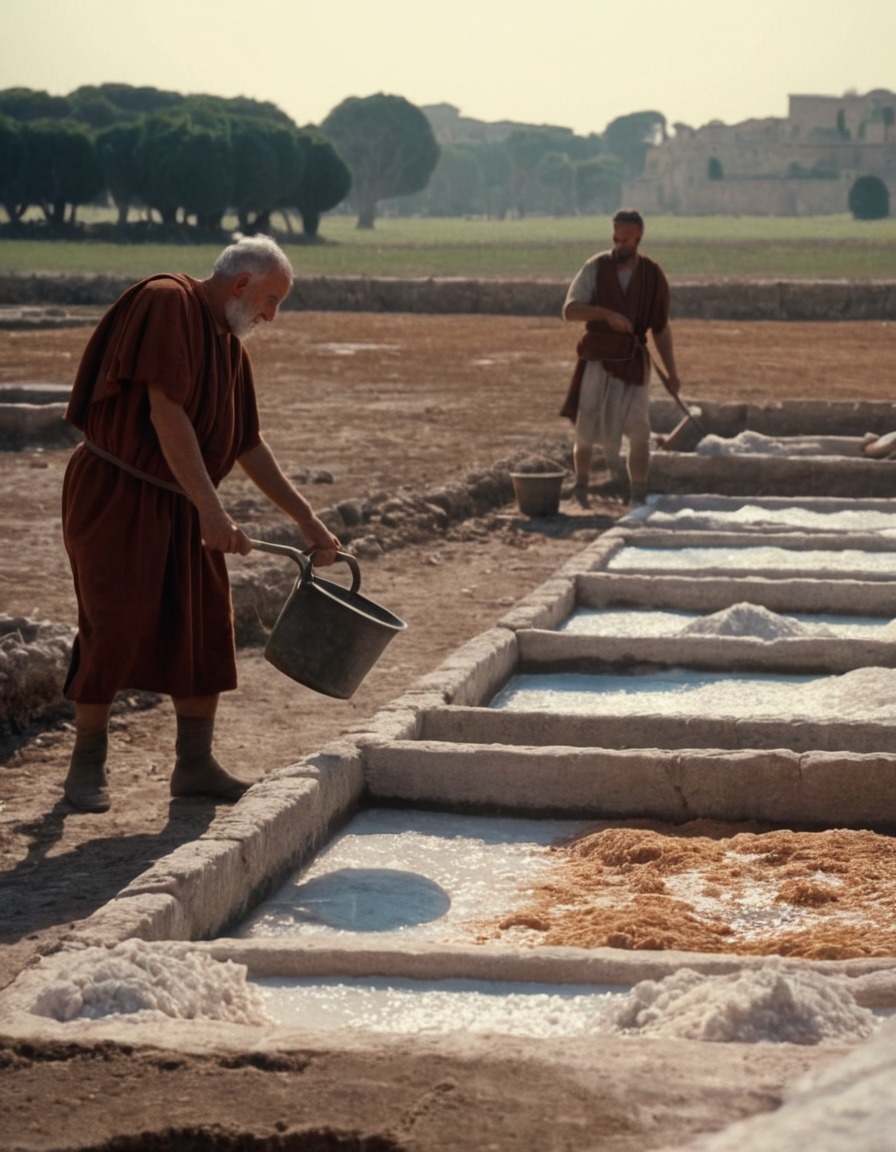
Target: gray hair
point(255, 254)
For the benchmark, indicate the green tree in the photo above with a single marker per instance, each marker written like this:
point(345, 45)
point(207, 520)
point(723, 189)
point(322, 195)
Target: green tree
point(526, 148)
point(714, 170)
point(12, 169)
point(557, 174)
point(117, 150)
point(268, 158)
point(62, 168)
point(325, 180)
point(496, 171)
point(598, 184)
point(389, 148)
point(185, 165)
point(128, 100)
point(27, 105)
point(629, 137)
point(454, 189)
point(869, 199)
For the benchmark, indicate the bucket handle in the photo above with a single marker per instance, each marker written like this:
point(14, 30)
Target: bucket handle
point(304, 562)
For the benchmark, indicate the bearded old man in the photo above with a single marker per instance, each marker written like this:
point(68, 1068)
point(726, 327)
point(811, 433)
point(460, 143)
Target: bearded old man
point(620, 295)
point(165, 398)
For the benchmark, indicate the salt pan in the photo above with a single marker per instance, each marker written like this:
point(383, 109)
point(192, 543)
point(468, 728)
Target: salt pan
point(865, 693)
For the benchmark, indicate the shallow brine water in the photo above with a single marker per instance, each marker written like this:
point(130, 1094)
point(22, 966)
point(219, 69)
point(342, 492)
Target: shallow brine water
point(438, 1006)
point(427, 873)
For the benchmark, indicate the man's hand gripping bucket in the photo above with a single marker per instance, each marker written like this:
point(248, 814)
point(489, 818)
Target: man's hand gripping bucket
point(327, 637)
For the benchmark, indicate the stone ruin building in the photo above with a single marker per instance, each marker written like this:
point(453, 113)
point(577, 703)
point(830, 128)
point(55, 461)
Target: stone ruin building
point(801, 165)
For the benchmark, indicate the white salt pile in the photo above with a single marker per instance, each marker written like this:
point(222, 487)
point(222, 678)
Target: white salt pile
point(137, 978)
point(755, 444)
point(755, 621)
point(862, 692)
point(765, 1005)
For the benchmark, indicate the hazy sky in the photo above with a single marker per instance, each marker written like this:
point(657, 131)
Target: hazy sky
point(576, 63)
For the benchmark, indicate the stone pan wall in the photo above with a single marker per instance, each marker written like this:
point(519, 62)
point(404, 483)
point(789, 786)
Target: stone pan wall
point(691, 299)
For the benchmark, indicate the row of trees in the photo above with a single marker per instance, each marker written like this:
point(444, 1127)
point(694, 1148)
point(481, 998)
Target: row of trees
point(538, 170)
point(185, 161)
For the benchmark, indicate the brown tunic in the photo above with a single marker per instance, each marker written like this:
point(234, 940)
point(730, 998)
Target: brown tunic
point(645, 302)
point(154, 609)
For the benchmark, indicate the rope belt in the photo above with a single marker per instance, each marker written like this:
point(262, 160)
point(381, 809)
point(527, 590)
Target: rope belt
point(125, 467)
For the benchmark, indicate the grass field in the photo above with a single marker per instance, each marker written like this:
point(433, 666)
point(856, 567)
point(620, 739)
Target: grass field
point(718, 246)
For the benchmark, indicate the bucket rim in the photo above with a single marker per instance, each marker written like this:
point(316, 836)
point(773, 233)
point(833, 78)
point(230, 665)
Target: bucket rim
point(340, 595)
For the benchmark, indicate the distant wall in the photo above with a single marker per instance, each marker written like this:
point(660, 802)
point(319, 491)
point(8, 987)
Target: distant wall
point(691, 299)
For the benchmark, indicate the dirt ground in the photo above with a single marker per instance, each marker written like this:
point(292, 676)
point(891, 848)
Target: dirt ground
point(355, 407)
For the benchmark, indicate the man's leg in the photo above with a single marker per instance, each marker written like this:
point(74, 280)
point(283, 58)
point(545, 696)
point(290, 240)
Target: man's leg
point(581, 459)
point(637, 430)
point(196, 771)
point(585, 436)
point(639, 467)
point(85, 785)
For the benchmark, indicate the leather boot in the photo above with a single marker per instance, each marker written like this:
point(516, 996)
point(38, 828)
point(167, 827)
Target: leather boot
point(85, 785)
point(196, 771)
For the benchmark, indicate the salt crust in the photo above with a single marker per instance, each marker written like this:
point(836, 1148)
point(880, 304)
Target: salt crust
point(149, 981)
point(765, 1005)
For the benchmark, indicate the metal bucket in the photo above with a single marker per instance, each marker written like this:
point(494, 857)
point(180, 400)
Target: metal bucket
point(537, 493)
point(327, 637)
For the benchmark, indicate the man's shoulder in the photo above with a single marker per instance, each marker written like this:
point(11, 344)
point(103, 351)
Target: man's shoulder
point(175, 282)
point(649, 262)
point(599, 257)
point(166, 291)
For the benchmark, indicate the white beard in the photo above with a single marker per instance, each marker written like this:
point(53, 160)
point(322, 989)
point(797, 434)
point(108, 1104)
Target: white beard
point(239, 319)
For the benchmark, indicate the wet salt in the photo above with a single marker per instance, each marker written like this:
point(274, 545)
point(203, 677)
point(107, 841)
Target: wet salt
point(752, 560)
point(148, 980)
point(419, 1007)
point(769, 1004)
point(672, 622)
point(765, 1005)
point(755, 516)
point(422, 873)
point(756, 444)
point(866, 693)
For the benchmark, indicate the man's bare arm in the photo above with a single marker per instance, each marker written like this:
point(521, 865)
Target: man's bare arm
point(261, 466)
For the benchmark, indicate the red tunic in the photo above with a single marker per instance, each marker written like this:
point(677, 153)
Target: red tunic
point(154, 608)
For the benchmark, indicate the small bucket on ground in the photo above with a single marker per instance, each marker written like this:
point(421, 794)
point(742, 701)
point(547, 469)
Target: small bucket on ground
point(327, 637)
point(536, 484)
